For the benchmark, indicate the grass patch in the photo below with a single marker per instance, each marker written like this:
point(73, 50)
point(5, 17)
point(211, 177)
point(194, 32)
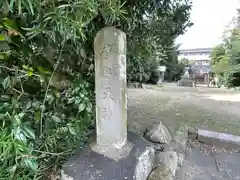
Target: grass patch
point(199, 118)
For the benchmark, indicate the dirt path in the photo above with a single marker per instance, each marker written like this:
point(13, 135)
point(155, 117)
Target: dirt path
point(199, 107)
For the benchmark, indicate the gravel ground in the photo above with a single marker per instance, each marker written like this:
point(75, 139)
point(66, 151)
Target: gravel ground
point(180, 106)
point(211, 163)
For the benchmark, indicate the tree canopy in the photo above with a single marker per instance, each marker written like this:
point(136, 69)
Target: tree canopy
point(225, 57)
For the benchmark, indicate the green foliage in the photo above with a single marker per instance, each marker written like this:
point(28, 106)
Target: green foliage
point(218, 52)
point(152, 27)
point(219, 60)
point(232, 77)
point(222, 66)
point(32, 139)
point(174, 67)
point(225, 59)
point(233, 74)
point(184, 61)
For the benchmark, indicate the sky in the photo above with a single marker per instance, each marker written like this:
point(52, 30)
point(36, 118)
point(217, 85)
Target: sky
point(210, 17)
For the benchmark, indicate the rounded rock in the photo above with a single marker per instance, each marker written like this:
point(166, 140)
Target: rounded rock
point(158, 133)
point(168, 159)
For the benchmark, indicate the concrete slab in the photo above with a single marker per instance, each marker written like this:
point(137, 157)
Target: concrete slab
point(202, 165)
point(89, 165)
point(219, 139)
point(229, 163)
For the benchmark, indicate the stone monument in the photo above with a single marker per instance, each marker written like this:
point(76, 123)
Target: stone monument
point(115, 154)
point(186, 79)
point(111, 95)
point(162, 70)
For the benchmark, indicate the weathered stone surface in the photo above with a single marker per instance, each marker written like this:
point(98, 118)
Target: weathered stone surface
point(113, 153)
point(89, 165)
point(180, 146)
point(168, 158)
point(200, 164)
point(219, 139)
point(110, 85)
point(186, 82)
point(158, 133)
point(145, 164)
point(181, 158)
point(160, 147)
point(162, 172)
point(147, 86)
point(137, 85)
point(186, 79)
point(180, 140)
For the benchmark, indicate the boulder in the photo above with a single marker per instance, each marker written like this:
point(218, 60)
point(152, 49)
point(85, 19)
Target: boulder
point(181, 158)
point(158, 133)
point(186, 82)
point(135, 85)
point(168, 158)
point(162, 172)
point(147, 86)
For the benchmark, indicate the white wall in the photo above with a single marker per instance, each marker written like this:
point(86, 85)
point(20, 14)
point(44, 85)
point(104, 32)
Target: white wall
point(194, 57)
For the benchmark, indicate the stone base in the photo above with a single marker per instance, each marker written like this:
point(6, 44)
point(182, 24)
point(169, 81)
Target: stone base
point(186, 82)
point(113, 153)
point(181, 149)
point(135, 85)
point(147, 86)
point(89, 165)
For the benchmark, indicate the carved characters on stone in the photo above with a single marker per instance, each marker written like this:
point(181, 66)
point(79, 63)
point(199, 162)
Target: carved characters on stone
point(110, 83)
point(107, 113)
point(107, 94)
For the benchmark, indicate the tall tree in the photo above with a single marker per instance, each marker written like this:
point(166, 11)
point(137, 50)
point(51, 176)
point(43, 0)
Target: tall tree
point(226, 56)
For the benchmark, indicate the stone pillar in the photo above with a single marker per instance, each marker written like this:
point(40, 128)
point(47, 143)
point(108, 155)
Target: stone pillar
point(110, 85)
point(206, 78)
point(115, 154)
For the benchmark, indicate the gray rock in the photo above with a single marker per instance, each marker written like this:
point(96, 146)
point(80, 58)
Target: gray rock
point(135, 85)
point(147, 86)
point(89, 165)
point(168, 158)
point(158, 133)
point(162, 172)
point(164, 147)
point(181, 158)
point(186, 81)
point(179, 145)
point(159, 147)
point(219, 139)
